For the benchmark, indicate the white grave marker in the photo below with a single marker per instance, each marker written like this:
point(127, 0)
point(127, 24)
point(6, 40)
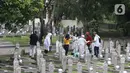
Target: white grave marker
point(60, 70)
point(79, 67)
point(70, 64)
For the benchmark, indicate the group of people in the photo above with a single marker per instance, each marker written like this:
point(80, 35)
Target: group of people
point(82, 42)
point(33, 42)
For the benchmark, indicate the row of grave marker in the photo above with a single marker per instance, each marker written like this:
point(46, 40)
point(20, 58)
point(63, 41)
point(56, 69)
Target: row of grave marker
point(41, 62)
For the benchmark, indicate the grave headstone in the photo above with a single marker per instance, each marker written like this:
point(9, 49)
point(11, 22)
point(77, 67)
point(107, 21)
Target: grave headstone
point(117, 43)
point(86, 53)
point(119, 49)
point(111, 46)
point(115, 60)
point(109, 61)
point(18, 48)
point(70, 64)
point(127, 53)
point(15, 54)
point(92, 49)
point(60, 51)
point(40, 61)
point(88, 61)
point(112, 56)
point(18, 69)
point(106, 54)
point(43, 65)
point(57, 46)
point(15, 65)
point(51, 67)
point(105, 67)
point(91, 70)
point(64, 62)
point(94, 65)
point(60, 70)
point(79, 67)
point(38, 44)
point(100, 51)
point(63, 53)
point(122, 62)
point(38, 57)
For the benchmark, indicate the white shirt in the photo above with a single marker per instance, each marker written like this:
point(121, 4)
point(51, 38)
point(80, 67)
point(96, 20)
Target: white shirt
point(81, 41)
point(96, 41)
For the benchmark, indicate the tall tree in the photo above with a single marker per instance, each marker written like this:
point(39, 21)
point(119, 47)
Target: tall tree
point(19, 11)
point(89, 10)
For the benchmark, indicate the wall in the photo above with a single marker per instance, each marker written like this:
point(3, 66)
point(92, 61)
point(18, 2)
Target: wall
point(71, 23)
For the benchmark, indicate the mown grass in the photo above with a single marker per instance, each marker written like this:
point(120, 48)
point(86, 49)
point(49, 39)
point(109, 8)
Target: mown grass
point(24, 40)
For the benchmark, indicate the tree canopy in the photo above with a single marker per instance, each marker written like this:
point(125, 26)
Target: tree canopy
point(89, 10)
point(19, 11)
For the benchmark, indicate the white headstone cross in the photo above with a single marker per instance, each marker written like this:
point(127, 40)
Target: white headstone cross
point(79, 67)
point(70, 64)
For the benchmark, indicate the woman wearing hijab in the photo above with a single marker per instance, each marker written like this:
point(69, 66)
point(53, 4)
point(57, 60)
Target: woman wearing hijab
point(47, 41)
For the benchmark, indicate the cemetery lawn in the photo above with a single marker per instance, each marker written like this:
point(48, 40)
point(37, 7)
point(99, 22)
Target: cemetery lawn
point(54, 39)
point(23, 40)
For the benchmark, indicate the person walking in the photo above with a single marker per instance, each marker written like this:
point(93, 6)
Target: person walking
point(89, 41)
point(33, 42)
point(47, 41)
point(66, 43)
point(96, 44)
point(81, 43)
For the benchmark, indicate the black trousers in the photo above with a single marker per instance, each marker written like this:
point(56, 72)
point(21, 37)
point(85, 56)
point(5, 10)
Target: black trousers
point(96, 51)
point(66, 47)
point(90, 50)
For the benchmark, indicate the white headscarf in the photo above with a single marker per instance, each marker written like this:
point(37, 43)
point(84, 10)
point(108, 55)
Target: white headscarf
point(49, 34)
point(47, 41)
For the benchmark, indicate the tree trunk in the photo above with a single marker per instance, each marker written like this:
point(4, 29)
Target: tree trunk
point(41, 30)
point(33, 25)
point(86, 27)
